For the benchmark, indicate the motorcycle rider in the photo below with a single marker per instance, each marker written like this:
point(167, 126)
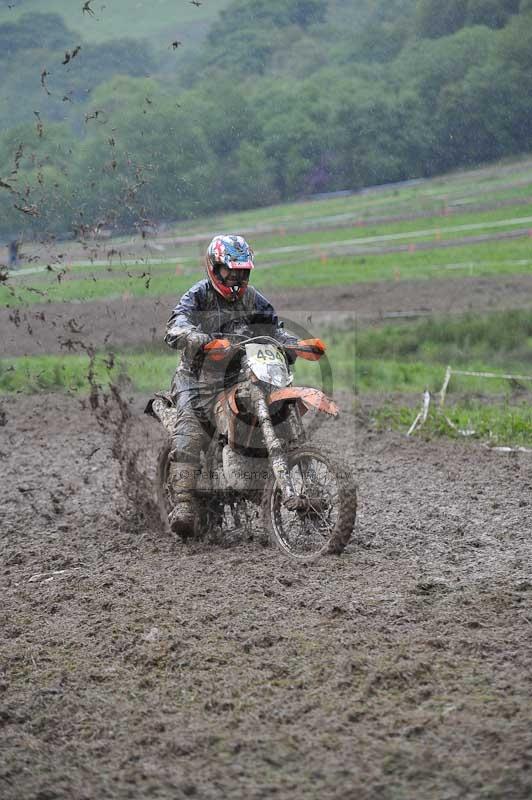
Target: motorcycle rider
point(222, 303)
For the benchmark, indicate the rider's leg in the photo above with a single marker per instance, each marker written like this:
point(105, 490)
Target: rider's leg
point(187, 442)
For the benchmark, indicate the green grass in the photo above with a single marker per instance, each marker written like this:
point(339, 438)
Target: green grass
point(152, 371)
point(435, 227)
point(503, 424)
point(504, 421)
point(394, 358)
point(34, 374)
point(286, 256)
point(387, 376)
point(148, 371)
point(391, 360)
point(48, 289)
point(312, 244)
point(486, 259)
point(285, 245)
point(493, 184)
point(497, 338)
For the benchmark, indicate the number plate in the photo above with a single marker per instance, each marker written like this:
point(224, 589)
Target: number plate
point(268, 363)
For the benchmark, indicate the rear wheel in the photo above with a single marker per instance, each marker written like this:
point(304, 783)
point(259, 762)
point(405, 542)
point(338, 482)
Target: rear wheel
point(325, 519)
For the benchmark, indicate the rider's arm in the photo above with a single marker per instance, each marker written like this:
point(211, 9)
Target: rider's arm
point(183, 320)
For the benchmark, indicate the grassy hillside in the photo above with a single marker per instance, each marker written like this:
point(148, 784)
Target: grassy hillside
point(162, 21)
point(456, 225)
point(447, 227)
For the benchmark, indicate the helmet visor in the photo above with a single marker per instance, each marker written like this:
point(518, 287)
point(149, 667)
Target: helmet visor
point(233, 276)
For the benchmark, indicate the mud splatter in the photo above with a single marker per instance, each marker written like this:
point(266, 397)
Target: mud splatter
point(134, 441)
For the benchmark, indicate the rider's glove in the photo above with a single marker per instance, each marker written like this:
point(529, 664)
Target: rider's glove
point(195, 341)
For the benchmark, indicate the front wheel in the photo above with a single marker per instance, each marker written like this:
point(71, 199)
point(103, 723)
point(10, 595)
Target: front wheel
point(325, 519)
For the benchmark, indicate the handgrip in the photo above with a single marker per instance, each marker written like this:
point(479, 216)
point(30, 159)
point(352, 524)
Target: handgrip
point(217, 349)
point(309, 349)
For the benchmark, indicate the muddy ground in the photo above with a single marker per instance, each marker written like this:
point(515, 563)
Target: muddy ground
point(122, 323)
point(133, 666)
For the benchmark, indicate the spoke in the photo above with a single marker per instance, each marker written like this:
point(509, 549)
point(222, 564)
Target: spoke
point(326, 522)
point(308, 531)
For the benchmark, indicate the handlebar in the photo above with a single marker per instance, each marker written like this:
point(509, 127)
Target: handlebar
point(222, 344)
point(238, 339)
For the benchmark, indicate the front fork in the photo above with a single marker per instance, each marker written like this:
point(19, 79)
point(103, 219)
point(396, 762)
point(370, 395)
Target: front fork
point(277, 456)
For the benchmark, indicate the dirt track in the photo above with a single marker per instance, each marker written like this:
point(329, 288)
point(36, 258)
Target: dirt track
point(133, 666)
point(115, 324)
point(145, 668)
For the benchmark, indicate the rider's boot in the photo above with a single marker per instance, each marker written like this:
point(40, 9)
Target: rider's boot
point(183, 515)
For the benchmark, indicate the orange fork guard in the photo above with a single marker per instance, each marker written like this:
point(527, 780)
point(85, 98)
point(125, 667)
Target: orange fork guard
point(308, 398)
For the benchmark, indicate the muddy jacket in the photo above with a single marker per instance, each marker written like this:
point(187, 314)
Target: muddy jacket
point(202, 309)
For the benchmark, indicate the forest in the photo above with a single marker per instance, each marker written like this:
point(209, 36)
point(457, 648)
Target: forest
point(281, 99)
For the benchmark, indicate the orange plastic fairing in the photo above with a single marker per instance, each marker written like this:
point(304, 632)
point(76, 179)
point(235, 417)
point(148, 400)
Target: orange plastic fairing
point(217, 350)
point(310, 398)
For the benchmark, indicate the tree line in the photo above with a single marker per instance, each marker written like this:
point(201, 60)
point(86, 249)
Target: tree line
point(285, 98)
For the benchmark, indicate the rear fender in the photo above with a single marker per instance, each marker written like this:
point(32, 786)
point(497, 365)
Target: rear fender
point(306, 398)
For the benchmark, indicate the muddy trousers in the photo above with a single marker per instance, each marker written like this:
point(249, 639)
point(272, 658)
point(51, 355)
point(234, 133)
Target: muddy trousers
point(192, 433)
point(192, 430)
point(189, 437)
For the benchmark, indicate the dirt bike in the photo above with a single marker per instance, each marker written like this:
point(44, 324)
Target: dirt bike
point(259, 465)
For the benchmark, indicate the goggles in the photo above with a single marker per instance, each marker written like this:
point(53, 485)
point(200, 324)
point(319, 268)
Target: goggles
point(240, 275)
